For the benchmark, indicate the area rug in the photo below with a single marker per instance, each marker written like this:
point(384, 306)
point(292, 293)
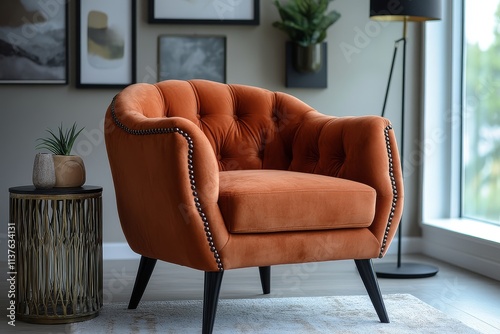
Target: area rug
point(337, 314)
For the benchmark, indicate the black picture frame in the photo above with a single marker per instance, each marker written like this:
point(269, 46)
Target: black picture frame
point(186, 57)
point(228, 12)
point(105, 43)
point(34, 43)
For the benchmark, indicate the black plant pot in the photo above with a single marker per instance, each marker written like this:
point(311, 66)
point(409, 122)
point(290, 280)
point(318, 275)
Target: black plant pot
point(306, 59)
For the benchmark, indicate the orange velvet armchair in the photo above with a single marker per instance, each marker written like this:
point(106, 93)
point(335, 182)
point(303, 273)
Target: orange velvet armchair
point(221, 176)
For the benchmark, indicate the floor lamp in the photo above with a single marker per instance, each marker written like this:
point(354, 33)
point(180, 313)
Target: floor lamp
point(404, 11)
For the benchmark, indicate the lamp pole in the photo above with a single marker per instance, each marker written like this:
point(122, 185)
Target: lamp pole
point(407, 270)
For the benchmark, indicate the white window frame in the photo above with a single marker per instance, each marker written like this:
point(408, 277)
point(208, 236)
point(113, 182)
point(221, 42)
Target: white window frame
point(467, 243)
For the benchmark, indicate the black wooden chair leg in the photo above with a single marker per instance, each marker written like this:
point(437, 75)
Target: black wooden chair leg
point(265, 279)
point(213, 280)
point(144, 272)
point(365, 268)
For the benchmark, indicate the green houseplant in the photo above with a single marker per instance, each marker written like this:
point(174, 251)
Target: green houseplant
point(306, 23)
point(69, 169)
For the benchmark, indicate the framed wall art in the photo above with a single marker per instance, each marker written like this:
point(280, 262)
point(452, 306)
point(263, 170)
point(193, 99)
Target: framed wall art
point(106, 44)
point(192, 57)
point(244, 12)
point(33, 42)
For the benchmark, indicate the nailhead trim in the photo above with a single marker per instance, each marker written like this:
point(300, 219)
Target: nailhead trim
point(190, 166)
point(394, 189)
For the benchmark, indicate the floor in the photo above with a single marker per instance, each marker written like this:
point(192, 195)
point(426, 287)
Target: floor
point(472, 298)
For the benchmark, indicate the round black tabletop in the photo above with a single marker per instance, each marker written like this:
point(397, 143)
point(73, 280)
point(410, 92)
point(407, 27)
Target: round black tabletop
point(31, 190)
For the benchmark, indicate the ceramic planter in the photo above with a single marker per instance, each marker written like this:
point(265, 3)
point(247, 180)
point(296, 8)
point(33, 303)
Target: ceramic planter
point(306, 59)
point(43, 171)
point(69, 171)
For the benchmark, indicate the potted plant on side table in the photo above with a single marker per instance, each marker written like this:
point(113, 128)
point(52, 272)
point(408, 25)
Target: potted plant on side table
point(305, 22)
point(69, 169)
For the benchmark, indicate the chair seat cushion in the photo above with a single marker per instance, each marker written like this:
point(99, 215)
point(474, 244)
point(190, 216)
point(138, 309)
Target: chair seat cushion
point(263, 201)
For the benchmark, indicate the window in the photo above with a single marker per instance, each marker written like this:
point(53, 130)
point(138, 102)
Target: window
point(481, 113)
point(446, 234)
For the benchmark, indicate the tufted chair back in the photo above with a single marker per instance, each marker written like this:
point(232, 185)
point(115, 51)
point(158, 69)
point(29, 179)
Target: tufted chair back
point(248, 127)
point(253, 128)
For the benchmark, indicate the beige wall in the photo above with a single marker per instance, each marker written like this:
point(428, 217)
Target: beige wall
point(359, 54)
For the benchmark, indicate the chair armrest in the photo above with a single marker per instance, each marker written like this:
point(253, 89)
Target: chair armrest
point(166, 182)
point(361, 149)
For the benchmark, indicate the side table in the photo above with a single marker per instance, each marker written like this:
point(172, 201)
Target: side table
point(58, 263)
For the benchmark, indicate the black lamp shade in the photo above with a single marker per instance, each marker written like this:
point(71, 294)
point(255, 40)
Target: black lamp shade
point(409, 10)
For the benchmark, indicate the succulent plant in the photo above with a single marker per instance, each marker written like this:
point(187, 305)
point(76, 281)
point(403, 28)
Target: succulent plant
point(59, 143)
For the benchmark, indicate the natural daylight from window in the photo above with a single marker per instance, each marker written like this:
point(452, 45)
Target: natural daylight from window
point(481, 115)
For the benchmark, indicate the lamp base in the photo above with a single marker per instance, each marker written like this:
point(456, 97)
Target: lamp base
point(405, 270)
